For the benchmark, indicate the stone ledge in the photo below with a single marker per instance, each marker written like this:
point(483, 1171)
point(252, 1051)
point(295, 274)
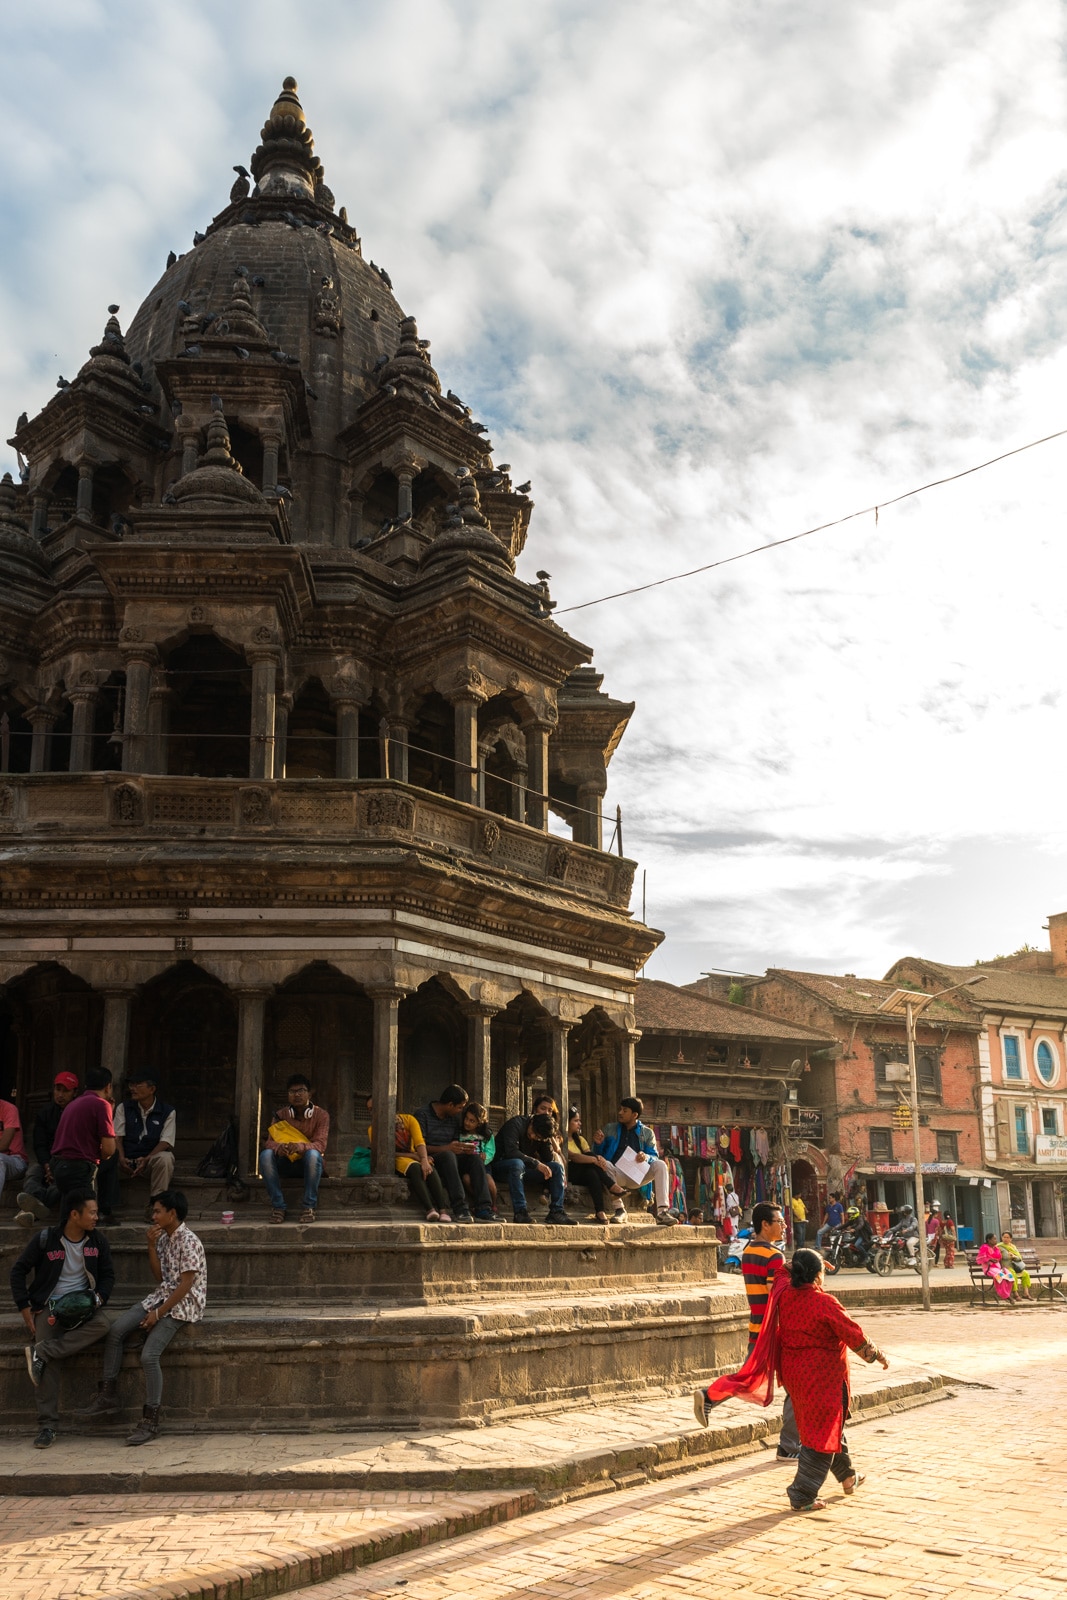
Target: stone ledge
point(547, 1456)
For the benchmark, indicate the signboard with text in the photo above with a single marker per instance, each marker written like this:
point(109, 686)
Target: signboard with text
point(804, 1122)
point(906, 1169)
point(1050, 1150)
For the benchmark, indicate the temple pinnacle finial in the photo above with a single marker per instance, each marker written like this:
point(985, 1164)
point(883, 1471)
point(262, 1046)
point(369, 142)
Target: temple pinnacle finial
point(285, 163)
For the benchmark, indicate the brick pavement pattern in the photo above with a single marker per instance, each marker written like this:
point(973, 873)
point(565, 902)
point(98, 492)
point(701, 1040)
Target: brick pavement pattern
point(966, 1497)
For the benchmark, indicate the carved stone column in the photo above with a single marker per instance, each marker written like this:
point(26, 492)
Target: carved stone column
point(466, 720)
point(139, 663)
point(188, 430)
point(283, 704)
point(355, 517)
point(158, 747)
point(83, 700)
point(628, 1063)
point(39, 515)
point(399, 736)
point(558, 1084)
point(518, 794)
point(512, 1073)
point(115, 1043)
point(271, 445)
point(83, 508)
point(264, 690)
point(537, 773)
point(590, 825)
point(42, 720)
point(405, 469)
point(478, 1084)
point(251, 1016)
point(384, 1078)
point(347, 738)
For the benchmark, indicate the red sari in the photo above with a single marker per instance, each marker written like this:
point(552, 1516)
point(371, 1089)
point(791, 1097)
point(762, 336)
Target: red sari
point(814, 1335)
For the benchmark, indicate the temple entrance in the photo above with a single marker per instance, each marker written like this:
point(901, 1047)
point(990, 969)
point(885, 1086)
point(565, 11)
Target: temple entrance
point(58, 1019)
point(183, 1025)
point(433, 1045)
point(321, 1024)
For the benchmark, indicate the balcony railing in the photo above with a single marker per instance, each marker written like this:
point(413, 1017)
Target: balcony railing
point(112, 805)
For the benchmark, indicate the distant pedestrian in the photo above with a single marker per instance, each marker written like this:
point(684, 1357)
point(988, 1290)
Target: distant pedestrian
point(833, 1217)
point(949, 1240)
point(800, 1222)
point(933, 1232)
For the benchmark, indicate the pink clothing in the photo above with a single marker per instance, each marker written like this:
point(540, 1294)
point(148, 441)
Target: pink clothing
point(9, 1118)
point(989, 1259)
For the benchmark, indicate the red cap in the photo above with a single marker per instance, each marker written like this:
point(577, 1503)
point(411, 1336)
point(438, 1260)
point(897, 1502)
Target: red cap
point(65, 1080)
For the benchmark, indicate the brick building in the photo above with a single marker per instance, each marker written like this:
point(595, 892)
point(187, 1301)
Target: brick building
point(1021, 1005)
point(859, 1081)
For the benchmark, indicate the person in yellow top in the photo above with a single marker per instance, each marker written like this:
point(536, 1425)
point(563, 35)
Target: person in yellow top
point(800, 1222)
point(414, 1164)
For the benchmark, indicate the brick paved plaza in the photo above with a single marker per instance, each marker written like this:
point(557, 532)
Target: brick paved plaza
point(965, 1497)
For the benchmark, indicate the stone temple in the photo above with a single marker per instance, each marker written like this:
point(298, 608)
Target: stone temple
point(281, 732)
point(282, 729)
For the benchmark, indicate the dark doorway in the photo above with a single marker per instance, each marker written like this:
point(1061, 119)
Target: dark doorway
point(184, 1026)
point(321, 1024)
point(311, 742)
point(60, 1020)
point(210, 711)
point(433, 1033)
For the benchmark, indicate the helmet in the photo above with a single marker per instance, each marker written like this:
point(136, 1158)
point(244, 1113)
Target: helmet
point(906, 1211)
point(852, 1214)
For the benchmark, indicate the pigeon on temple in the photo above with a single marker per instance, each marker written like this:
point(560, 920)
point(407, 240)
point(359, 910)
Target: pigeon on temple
point(524, 488)
point(240, 352)
point(192, 350)
point(23, 419)
point(259, 283)
point(198, 238)
point(62, 383)
point(171, 259)
point(241, 187)
point(184, 307)
point(169, 499)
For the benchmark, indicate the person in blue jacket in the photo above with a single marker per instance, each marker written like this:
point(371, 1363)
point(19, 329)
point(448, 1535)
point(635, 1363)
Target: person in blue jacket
point(630, 1133)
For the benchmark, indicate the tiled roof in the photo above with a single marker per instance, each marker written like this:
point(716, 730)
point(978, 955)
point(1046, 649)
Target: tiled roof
point(1002, 988)
point(664, 1008)
point(861, 997)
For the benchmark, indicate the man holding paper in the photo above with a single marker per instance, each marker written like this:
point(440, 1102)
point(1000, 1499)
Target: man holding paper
point(295, 1144)
point(630, 1149)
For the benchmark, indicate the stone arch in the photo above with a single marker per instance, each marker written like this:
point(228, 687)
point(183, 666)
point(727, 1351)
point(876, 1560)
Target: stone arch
point(520, 1052)
point(311, 737)
point(321, 1023)
point(51, 1020)
point(183, 1024)
point(502, 758)
point(432, 744)
point(433, 1039)
point(597, 1083)
point(16, 732)
point(209, 708)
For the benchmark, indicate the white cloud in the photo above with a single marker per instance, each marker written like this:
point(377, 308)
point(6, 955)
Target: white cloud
point(712, 274)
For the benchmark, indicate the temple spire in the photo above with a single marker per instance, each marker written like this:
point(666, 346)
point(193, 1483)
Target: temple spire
point(285, 162)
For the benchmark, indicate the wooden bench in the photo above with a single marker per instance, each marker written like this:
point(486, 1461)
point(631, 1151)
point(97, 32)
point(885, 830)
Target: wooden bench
point(1041, 1272)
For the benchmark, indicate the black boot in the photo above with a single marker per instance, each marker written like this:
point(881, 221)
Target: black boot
point(148, 1427)
point(104, 1401)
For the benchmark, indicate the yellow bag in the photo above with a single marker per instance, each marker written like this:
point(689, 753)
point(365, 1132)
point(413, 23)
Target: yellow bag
point(285, 1133)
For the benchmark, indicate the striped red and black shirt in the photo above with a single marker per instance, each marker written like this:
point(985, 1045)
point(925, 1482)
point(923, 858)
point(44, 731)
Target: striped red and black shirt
point(760, 1262)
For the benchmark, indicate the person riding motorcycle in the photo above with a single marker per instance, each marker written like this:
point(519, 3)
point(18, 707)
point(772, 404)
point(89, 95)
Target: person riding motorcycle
point(907, 1231)
point(861, 1233)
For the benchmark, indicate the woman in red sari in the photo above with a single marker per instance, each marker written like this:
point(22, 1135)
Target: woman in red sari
point(815, 1335)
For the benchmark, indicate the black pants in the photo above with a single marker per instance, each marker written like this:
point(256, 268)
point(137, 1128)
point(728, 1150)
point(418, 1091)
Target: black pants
point(813, 1466)
point(429, 1192)
point(451, 1167)
point(586, 1176)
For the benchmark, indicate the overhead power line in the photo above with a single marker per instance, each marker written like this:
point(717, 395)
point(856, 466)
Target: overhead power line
point(836, 522)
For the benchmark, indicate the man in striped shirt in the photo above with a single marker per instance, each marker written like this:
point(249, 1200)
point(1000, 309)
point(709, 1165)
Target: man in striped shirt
point(761, 1262)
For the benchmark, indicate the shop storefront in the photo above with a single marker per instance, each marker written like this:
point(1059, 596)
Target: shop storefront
point(1033, 1201)
point(968, 1196)
point(707, 1160)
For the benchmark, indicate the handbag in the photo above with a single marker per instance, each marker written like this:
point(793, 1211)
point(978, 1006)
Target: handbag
point(285, 1133)
point(359, 1162)
point(71, 1310)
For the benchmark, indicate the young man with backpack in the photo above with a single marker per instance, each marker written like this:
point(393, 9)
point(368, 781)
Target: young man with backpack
point(61, 1282)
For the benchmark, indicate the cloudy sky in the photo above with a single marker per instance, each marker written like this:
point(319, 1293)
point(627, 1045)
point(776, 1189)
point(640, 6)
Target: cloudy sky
point(712, 272)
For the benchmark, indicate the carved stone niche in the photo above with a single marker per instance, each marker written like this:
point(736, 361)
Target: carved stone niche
point(7, 802)
point(127, 806)
point(390, 811)
point(624, 881)
point(490, 837)
point(558, 862)
point(255, 808)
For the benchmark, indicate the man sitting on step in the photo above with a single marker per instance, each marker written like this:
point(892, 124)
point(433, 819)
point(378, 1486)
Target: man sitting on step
point(39, 1195)
point(145, 1129)
point(295, 1145)
point(526, 1153)
point(441, 1120)
point(633, 1140)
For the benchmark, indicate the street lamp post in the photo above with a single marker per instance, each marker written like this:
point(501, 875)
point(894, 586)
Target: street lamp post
point(911, 1002)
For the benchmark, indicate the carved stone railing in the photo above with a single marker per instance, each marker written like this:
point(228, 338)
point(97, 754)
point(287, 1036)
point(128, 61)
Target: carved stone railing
point(96, 805)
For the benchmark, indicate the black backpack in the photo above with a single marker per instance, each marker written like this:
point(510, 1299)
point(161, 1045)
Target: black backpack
point(221, 1162)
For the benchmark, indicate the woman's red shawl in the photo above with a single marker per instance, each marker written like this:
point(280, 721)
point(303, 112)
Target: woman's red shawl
point(803, 1343)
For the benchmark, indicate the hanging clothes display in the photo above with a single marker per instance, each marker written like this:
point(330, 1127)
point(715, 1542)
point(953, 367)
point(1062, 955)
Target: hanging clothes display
point(735, 1143)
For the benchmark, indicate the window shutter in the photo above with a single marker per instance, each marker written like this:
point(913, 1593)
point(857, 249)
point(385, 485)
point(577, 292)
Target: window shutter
point(1005, 1127)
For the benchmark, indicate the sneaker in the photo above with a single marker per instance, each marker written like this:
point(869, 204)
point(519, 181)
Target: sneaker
point(463, 1216)
point(30, 1202)
point(308, 1214)
point(666, 1219)
point(619, 1214)
point(521, 1215)
point(560, 1219)
point(26, 1219)
point(701, 1409)
point(35, 1367)
point(46, 1437)
point(485, 1214)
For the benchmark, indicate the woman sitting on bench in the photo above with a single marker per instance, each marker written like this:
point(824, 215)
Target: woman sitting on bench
point(1011, 1256)
point(989, 1259)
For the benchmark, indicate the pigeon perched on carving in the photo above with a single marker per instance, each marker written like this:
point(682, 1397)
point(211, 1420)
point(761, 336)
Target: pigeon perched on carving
point(241, 188)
